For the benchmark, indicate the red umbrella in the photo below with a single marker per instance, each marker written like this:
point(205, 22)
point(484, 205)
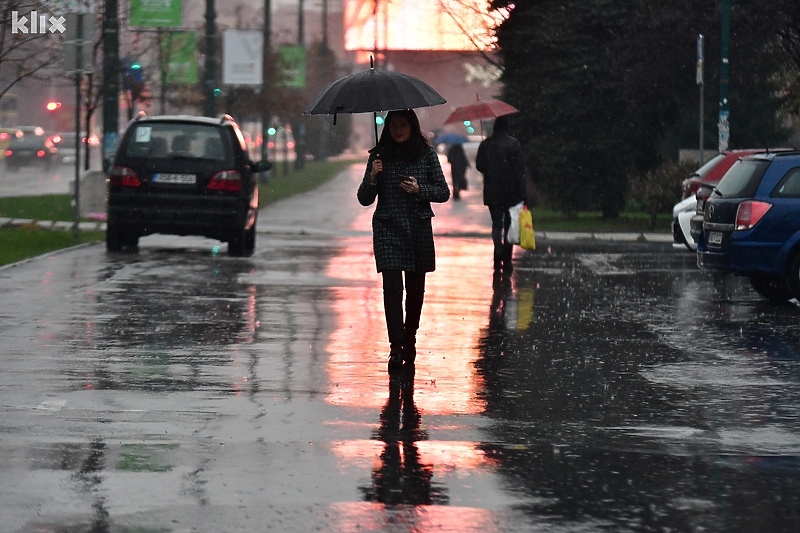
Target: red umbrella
point(479, 110)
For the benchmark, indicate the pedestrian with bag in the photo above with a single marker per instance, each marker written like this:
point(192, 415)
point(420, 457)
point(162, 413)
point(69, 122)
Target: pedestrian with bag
point(459, 163)
point(404, 174)
point(500, 160)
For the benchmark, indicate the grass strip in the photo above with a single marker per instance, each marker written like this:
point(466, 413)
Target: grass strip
point(23, 242)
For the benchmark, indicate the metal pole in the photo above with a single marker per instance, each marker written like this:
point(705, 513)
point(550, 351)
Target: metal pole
point(300, 24)
point(724, 77)
point(211, 58)
point(78, 140)
point(110, 78)
point(701, 84)
point(266, 113)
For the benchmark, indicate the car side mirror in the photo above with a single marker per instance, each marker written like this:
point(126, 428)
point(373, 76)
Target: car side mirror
point(107, 163)
point(262, 166)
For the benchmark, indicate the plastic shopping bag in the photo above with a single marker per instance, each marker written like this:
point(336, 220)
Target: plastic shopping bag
point(527, 239)
point(513, 229)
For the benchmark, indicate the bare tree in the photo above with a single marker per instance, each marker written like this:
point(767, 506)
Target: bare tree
point(25, 53)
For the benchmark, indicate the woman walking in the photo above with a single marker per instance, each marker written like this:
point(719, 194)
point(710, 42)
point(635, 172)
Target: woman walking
point(404, 174)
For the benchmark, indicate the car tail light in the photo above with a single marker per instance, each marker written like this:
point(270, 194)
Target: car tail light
point(227, 180)
point(123, 177)
point(40, 153)
point(8, 153)
point(749, 213)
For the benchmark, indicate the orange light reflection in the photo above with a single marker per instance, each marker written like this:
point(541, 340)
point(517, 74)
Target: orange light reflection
point(358, 517)
point(454, 312)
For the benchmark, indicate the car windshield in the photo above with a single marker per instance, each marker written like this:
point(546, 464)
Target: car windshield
point(176, 140)
point(708, 165)
point(743, 178)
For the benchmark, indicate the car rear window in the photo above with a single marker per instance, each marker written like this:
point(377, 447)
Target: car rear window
point(175, 139)
point(708, 165)
point(28, 141)
point(743, 178)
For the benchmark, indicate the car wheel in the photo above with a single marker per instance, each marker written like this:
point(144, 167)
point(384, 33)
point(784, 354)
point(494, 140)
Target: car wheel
point(773, 288)
point(237, 244)
point(114, 238)
point(793, 276)
point(250, 240)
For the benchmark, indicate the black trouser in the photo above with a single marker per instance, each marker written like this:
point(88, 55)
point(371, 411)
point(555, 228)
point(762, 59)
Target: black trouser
point(400, 329)
point(501, 221)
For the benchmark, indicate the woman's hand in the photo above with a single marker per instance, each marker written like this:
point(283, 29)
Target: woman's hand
point(377, 168)
point(410, 185)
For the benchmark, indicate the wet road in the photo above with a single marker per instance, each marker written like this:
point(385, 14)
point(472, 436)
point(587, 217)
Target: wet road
point(606, 386)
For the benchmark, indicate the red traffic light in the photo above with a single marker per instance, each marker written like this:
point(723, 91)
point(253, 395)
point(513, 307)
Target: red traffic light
point(52, 106)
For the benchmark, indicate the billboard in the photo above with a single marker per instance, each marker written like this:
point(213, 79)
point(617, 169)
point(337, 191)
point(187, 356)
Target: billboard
point(461, 25)
point(242, 57)
point(155, 13)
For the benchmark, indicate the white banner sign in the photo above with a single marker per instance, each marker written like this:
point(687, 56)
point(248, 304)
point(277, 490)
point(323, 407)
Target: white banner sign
point(242, 62)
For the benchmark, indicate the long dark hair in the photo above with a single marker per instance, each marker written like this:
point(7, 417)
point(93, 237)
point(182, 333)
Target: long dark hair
point(412, 150)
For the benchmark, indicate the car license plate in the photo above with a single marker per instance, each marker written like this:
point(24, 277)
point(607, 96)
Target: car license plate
point(714, 237)
point(184, 179)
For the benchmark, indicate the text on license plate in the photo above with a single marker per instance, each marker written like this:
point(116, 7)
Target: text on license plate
point(715, 237)
point(188, 179)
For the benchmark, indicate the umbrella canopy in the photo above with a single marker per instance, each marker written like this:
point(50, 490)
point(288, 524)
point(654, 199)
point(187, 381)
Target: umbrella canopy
point(450, 138)
point(373, 91)
point(480, 110)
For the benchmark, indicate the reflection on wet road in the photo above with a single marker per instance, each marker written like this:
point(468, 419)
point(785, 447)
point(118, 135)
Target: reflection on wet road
point(604, 387)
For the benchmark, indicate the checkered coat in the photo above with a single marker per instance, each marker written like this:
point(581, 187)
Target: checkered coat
point(402, 233)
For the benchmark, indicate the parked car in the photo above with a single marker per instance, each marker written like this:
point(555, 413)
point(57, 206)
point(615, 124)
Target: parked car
point(751, 224)
point(183, 175)
point(30, 149)
point(704, 192)
point(704, 179)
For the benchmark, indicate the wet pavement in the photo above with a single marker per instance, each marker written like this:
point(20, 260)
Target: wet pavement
point(606, 386)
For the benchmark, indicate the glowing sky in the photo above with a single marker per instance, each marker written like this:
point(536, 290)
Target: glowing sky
point(417, 25)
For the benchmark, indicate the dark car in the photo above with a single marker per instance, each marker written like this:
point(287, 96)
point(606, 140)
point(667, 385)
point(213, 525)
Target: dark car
point(30, 149)
point(705, 186)
point(751, 224)
point(705, 177)
point(183, 175)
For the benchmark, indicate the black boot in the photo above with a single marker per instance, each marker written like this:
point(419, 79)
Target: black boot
point(410, 348)
point(395, 359)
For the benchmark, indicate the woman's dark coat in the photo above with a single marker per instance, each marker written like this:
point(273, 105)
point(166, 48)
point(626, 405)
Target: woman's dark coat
point(402, 233)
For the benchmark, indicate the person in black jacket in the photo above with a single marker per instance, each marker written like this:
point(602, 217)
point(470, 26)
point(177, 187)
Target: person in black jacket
point(404, 174)
point(500, 160)
point(459, 163)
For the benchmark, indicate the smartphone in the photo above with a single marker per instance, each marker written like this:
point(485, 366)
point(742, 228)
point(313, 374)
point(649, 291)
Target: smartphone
point(405, 179)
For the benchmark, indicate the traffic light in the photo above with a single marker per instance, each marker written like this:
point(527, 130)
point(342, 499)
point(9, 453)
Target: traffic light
point(136, 71)
point(53, 105)
point(217, 91)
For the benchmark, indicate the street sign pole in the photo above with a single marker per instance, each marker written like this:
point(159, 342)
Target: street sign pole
point(78, 70)
point(79, 38)
point(701, 85)
point(724, 76)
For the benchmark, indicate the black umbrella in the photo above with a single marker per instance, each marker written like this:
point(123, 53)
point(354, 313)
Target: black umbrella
point(373, 91)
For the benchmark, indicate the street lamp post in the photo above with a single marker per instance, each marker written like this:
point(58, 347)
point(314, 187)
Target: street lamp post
point(210, 75)
point(724, 77)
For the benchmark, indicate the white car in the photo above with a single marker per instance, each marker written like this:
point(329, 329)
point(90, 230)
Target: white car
point(682, 215)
